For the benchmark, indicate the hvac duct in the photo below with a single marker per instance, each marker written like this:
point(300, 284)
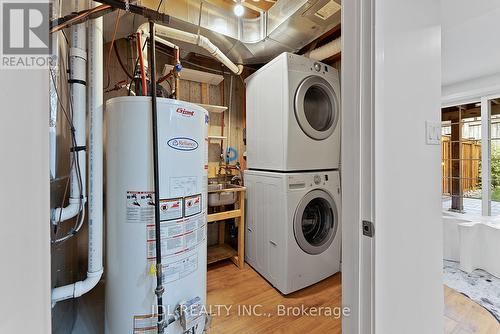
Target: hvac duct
point(287, 26)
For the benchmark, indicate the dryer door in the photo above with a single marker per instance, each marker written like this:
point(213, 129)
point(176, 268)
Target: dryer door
point(315, 222)
point(317, 108)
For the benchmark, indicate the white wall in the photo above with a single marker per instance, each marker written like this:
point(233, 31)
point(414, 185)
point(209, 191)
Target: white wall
point(470, 57)
point(408, 230)
point(24, 202)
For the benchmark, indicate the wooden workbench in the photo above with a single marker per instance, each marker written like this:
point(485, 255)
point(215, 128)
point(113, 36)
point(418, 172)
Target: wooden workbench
point(222, 251)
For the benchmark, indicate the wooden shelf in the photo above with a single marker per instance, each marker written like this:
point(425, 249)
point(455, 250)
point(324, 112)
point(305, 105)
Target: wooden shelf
point(213, 108)
point(220, 252)
point(217, 137)
point(213, 217)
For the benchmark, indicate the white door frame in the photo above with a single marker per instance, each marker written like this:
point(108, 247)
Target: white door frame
point(357, 164)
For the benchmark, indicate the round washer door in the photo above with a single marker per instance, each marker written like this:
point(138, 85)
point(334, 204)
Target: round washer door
point(315, 222)
point(316, 107)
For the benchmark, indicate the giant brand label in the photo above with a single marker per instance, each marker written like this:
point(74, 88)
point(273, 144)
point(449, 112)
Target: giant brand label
point(183, 144)
point(185, 112)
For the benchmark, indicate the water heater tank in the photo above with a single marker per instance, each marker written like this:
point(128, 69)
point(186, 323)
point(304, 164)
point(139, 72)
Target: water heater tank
point(130, 230)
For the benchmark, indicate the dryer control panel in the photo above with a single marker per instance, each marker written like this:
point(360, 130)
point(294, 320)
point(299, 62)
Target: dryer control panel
point(301, 64)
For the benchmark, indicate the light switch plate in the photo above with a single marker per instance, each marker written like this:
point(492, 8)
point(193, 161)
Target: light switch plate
point(432, 133)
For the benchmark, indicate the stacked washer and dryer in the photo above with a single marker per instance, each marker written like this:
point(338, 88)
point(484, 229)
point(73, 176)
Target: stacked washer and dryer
point(293, 229)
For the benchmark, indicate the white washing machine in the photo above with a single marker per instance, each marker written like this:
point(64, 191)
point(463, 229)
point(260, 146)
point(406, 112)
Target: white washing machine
point(293, 231)
point(293, 115)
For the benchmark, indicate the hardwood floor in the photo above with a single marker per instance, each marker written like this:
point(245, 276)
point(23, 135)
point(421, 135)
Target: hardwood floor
point(462, 315)
point(238, 290)
point(228, 285)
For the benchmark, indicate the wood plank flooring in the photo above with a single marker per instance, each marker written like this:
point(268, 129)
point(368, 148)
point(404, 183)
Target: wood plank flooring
point(239, 289)
point(462, 315)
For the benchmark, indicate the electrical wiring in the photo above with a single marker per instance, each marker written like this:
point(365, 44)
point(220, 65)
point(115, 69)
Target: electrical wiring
point(159, 6)
point(117, 21)
point(121, 62)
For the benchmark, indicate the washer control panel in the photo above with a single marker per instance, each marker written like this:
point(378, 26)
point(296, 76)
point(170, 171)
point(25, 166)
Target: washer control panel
point(312, 180)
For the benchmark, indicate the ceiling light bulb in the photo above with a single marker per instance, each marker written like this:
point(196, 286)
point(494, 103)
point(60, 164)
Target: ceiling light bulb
point(238, 9)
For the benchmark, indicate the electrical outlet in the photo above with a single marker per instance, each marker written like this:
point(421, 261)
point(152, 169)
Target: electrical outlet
point(432, 133)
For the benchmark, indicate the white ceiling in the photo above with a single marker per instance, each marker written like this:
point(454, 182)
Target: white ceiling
point(470, 39)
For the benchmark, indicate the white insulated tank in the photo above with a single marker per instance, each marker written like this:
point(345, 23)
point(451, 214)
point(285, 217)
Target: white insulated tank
point(130, 235)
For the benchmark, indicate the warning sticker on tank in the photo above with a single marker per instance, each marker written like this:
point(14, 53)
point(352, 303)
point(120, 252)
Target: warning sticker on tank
point(171, 209)
point(140, 207)
point(177, 236)
point(145, 324)
point(192, 205)
point(180, 269)
point(183, 186)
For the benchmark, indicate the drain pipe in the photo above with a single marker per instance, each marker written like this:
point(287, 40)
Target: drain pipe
point(326, 51)
point(95, 220)
point(195, 39)
point(78, 61)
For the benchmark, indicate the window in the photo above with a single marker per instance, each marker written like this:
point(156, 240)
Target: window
point(471, 184)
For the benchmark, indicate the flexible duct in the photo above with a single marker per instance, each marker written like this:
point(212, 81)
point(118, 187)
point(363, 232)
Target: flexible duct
point(195, 39)
point(326, 51)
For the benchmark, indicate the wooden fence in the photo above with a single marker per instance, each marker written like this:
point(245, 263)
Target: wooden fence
point(471, 165)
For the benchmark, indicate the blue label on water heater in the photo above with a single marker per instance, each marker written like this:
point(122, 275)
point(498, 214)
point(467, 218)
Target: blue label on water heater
point(183, 144)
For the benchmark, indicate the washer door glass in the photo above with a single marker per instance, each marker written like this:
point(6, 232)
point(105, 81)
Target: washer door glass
point(316, 222)
point(316, 107)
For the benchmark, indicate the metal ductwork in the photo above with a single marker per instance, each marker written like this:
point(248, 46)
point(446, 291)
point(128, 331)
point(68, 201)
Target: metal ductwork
point(287, 26)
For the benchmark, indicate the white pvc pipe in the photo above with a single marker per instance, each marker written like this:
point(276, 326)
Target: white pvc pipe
point(78, 68)
point(96, 154)
point(328, 50)
point(199, 40)
point(95, 242)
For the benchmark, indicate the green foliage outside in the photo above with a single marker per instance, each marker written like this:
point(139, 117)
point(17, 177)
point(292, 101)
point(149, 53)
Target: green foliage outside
point(495, 173)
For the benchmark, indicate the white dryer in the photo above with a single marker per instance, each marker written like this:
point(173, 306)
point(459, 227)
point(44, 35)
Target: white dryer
point(293, 231)
point(293, 115)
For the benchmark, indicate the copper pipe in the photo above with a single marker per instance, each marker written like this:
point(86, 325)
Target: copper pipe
point(141, 63)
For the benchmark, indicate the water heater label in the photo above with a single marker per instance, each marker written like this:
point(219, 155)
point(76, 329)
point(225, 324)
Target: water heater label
point(192, 205)
point(140, 206)
point(171, 209)
point(180, 269)
point(183, 186)
point(177, 237)
point(183, 144)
